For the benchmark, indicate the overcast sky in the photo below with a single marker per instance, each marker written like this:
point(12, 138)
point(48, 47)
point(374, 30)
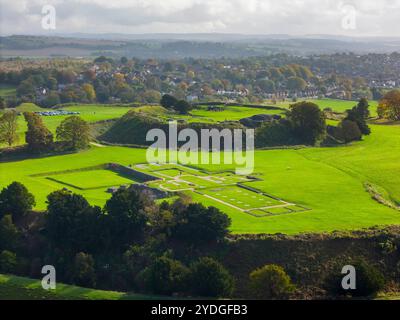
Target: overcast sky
point(294, 17)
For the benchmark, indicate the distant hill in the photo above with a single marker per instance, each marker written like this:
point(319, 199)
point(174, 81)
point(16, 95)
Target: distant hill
point(176, 46)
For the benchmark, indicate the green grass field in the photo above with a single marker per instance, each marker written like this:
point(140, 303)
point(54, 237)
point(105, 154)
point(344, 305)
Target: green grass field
point(201, 114)
point(328, 181)
point(241, 198)
point(90, 179)
point(20, 288)
point(326, 184)
point(90, 113)
point(334, 104)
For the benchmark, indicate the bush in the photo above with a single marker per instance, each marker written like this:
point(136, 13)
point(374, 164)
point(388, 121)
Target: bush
point(369, 281)
point(270, 282)
point(208, 278)
point(8, 261)
point(276, 133)
point(165, 276)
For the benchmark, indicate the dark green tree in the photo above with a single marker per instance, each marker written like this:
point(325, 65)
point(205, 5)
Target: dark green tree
point(15, 199)
point(168, 101)
point(38, 137)
point(349, 131)
point(127, 215)
point(183, 107)
point(72, 224)
point(359, 114)
point(198, 224)
point(308, 122)
point(9, 234)
point(84, 273)
point(166, 276)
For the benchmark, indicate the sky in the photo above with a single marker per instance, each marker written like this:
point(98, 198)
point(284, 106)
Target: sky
point(294, 17)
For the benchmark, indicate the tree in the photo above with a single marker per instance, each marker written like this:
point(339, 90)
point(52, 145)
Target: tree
point(266, 85)
point(74, 131)
point(270, 282)
point(168, 101)
point(89, 90)
point(166, 276)
point(102, 93)
point(308, 122)
point(349, 131)
point(9, 234)
point(15, 199)
point(359, 114)
point(296, 84)
point(8, 261)
point(83, 270)
point(72, 224)
point(38, 137)
point(127, 215)
point(151, 96)
point(208, 278)
point(198, 224)
point(25, 88)
point(8, 128)
point(182, 106)
point(389, 106)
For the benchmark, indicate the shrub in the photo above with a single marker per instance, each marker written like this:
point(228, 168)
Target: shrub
point(369, 281)
point(208, 278)
point(165, 276)
point(270, 282)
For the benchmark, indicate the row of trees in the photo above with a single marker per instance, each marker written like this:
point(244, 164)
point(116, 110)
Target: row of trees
point(72, 133)
point(131, 235)
point(305, 123)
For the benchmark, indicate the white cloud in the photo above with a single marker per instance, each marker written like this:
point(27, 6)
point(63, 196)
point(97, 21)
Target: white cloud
point(177, 16)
